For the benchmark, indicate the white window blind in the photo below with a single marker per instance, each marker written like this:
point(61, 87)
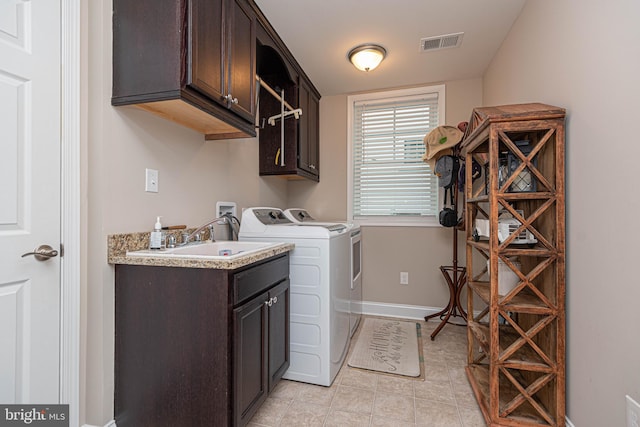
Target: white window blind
point(389, 176)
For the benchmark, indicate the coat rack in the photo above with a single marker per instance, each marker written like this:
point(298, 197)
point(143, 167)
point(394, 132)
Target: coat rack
point(455, 276)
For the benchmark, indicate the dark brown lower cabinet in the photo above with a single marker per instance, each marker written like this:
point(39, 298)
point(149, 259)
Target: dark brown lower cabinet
point(199, 347)
point(261, 348)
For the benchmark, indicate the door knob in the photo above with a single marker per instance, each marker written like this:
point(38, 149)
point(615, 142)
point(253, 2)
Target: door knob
point(42, 253)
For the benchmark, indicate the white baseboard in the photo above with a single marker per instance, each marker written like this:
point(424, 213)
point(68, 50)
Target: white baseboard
point(404, 311)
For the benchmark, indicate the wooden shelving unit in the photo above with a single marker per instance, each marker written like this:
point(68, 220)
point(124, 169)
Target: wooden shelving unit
point(516, 353)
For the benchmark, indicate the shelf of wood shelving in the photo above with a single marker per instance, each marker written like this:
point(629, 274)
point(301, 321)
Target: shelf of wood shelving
point(522, 302)
point(509, 396)
point(513, 196)
point(513, 250)
point(525, 358)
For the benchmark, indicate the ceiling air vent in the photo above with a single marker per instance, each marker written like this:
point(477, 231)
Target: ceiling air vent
point(441, 42)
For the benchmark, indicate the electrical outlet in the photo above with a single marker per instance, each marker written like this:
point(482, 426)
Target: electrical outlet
point(404, 278)
point(151, 181)
point(633, 412)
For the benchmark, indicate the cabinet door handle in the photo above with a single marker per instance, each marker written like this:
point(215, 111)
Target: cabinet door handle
point(275, 300)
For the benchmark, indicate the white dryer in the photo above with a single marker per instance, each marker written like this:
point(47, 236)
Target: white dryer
point(302, 216)
point(319, 275)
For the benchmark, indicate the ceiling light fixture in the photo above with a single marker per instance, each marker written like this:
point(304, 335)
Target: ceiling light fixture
point(366, 57)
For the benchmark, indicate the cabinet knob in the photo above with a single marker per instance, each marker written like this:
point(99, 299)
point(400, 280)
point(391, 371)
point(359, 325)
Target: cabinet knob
point(271, 301)
point(230, 99)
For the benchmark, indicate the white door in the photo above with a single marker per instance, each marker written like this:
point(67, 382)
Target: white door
point(29, 200)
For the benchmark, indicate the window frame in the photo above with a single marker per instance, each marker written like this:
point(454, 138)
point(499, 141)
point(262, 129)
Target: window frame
point(389, 220)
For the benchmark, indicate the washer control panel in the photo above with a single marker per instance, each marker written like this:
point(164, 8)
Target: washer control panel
point(271, 216)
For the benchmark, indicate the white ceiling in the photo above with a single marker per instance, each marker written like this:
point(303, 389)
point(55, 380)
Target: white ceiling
point(320, 33)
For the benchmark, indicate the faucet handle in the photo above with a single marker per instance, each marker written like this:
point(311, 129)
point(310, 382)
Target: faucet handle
point(211, 235)
point(171, 241)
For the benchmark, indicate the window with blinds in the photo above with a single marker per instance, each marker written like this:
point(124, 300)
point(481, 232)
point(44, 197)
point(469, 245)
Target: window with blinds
point(389, 178)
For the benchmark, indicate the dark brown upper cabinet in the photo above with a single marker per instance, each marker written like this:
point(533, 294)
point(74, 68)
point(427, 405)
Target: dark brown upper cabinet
point(298, 156)
point(223, 56)
point(190, 61)
point(195, 62)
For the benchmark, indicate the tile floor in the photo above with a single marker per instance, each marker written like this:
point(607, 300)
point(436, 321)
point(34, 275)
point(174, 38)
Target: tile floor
point(363, 398)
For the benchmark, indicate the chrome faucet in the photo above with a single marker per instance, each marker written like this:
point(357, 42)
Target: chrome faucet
point(189, 237)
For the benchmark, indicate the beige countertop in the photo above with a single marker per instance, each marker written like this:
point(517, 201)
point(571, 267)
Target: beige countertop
point(119, 244)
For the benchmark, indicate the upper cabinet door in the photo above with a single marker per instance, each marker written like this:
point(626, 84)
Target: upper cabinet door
point(241, 69)
point(313, 115)
point(207, 40)
point(223, 52)
point(308, 140)
point(303, 141)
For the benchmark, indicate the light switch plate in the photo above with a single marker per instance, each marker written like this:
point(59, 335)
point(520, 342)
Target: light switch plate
point(151, 181)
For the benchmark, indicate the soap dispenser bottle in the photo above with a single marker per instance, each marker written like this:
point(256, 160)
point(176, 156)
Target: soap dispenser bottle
point(155, 240)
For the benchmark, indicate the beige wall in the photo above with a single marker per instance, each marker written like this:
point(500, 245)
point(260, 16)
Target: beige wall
point(386, 250)
point(585, 56)
point(193, 175)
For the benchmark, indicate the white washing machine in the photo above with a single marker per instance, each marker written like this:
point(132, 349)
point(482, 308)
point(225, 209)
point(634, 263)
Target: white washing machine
point(302, 216)
point(319, 275)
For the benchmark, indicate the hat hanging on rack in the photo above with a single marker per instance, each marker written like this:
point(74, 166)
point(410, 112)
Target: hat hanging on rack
point(440, 138)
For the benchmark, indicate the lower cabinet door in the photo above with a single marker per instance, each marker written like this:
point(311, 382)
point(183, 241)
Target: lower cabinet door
point(250, 358)
point(278, 333)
